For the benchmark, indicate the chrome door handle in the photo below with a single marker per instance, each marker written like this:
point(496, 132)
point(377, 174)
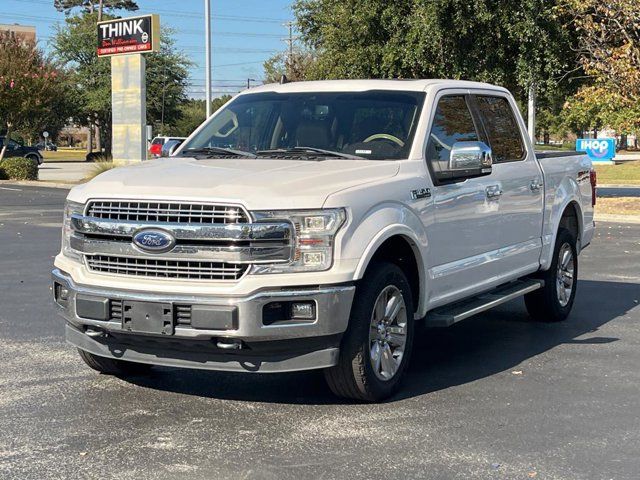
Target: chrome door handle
point(535, 185)
point(493, 191)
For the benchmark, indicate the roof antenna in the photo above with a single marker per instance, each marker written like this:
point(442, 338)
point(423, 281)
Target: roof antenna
point(283, 80)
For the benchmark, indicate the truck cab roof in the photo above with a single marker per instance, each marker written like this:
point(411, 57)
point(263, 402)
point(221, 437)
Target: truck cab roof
point(363, 85)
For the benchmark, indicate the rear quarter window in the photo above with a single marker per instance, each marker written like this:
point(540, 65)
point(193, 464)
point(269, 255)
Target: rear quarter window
point(502, 129)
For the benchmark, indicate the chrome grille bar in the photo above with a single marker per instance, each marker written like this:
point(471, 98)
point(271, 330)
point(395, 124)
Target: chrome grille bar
point(277, 231)
point(183, 269)
point(263, 252)
point(166, 212)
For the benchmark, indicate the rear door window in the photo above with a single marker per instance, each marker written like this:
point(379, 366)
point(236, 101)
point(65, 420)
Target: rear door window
point(502, 129)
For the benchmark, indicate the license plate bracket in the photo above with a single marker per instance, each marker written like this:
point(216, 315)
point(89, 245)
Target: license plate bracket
point(147, 317)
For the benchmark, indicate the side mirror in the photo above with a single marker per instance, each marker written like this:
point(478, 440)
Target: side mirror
point(470, 156)
point(467, 160)
point(170, 147)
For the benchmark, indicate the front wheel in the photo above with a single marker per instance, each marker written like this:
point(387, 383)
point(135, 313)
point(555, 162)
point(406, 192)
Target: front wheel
point(112, 366)
point(553, 302)
point(35, 159)
point(376, 347)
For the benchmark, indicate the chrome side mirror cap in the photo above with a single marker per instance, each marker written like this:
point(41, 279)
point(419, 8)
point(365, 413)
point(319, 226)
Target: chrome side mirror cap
point(466, 156)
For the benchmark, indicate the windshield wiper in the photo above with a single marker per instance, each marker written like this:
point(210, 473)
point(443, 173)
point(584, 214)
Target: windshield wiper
point(213, 152)
point(303, 150)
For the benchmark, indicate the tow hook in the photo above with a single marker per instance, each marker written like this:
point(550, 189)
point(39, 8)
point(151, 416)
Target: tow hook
point(229, 344)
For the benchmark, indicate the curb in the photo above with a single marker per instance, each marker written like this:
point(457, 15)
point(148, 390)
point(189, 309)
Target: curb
point(605, 217)
point(618, 185)
point(38, 183)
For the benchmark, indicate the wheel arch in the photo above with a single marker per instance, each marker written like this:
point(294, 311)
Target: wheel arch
point(399, 245)
point(569, 216)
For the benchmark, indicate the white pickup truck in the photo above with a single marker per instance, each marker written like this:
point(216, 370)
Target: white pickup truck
point(313, 225)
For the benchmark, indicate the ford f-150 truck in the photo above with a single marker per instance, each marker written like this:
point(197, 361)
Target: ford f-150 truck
point(314, 225)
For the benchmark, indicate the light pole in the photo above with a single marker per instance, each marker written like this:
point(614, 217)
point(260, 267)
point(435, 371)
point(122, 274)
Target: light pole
point(207, 50)
point(249, 80)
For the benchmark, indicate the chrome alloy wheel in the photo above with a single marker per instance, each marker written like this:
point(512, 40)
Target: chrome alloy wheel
point(388, 333)
point(564, 278)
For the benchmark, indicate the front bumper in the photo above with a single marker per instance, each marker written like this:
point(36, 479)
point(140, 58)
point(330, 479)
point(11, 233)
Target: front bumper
point(275, 347)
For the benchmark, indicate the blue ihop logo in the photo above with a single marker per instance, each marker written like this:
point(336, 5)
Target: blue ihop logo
point(155, 241)
point(598, 149)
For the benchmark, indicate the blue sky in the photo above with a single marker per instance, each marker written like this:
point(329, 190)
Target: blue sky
point(245, 33)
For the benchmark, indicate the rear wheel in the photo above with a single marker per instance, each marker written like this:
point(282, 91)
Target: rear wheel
point(553, 302)
point(376, 347)
point(112, 366)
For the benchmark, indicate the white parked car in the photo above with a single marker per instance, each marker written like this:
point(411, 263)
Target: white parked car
point(313, 225)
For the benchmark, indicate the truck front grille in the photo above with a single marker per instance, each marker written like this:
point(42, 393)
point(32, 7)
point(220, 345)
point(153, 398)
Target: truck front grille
point(167, 212)
point(158, 268)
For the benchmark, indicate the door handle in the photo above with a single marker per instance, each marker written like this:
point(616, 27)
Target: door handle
point(493, 191)
point(535, 185)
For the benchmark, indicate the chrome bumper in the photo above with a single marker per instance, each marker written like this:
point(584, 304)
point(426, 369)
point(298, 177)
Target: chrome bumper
point(106, 338)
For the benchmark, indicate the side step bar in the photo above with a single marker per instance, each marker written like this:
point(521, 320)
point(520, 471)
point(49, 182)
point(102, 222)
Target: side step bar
point(450, 314)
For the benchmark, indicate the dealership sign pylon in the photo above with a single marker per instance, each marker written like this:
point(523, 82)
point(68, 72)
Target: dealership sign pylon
point(124, 40)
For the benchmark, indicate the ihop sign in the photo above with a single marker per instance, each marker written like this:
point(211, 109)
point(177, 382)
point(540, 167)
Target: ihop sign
point(598, 149)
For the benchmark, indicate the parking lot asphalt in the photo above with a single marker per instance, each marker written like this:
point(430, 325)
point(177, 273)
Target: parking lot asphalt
point(496, 396)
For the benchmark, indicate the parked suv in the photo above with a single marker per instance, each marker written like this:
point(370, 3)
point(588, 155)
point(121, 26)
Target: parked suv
point(16, 149)
point(313, 225)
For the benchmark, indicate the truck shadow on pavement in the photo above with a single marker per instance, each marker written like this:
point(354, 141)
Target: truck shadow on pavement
point(490, 343)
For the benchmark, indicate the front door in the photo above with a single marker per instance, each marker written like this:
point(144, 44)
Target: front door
point(464, 238)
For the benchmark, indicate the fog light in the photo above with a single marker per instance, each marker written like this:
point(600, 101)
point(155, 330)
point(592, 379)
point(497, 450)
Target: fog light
point(313, 258)
point(64, 293)
point(303, 310)
point(61, 294)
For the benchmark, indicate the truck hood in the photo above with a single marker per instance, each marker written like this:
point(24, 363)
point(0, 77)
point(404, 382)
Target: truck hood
point(258, 184)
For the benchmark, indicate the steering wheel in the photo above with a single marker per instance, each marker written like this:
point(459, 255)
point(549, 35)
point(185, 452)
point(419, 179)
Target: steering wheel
point(383, 136)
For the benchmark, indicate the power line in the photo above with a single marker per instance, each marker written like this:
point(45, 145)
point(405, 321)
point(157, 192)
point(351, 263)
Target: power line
point(173, 13)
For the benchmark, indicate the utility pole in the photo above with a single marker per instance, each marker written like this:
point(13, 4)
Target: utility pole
point(531, 113)
point(100, 10)
point(289, 41)
point(207, 44)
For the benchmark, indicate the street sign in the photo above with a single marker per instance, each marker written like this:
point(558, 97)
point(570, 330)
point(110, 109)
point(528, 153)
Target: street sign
point(129, 35)
point(598, 149)
point(45, 134)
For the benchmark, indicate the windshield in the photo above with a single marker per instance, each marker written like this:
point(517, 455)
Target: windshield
point(372, 124)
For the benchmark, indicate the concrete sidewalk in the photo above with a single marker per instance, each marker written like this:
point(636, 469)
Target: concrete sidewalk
point(64, 172)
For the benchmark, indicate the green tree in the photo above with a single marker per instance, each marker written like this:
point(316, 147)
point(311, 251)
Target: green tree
point(167, 72)
point(94, 6)
point(295, 67)
point(32, 88)
point(500, 41)
point(609, 41)
point(192, 113)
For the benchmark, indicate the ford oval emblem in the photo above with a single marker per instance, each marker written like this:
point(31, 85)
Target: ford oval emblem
point(155, 241)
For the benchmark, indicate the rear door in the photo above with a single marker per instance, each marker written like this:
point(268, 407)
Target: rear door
point(520, 179)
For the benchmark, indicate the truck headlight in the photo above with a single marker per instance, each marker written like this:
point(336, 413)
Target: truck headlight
point(70, 208)
point(315, 234)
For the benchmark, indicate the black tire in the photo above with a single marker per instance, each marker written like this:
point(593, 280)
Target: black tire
point(111, 366)
point(544, 304)
point(354, 377)
point(34, 158)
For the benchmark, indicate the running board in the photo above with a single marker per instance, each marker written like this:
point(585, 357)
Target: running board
point(450, 314)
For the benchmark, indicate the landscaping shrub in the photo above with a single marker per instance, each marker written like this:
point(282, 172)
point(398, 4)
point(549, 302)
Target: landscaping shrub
point(98, 168)
point(18, 168)
point(98, 157)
